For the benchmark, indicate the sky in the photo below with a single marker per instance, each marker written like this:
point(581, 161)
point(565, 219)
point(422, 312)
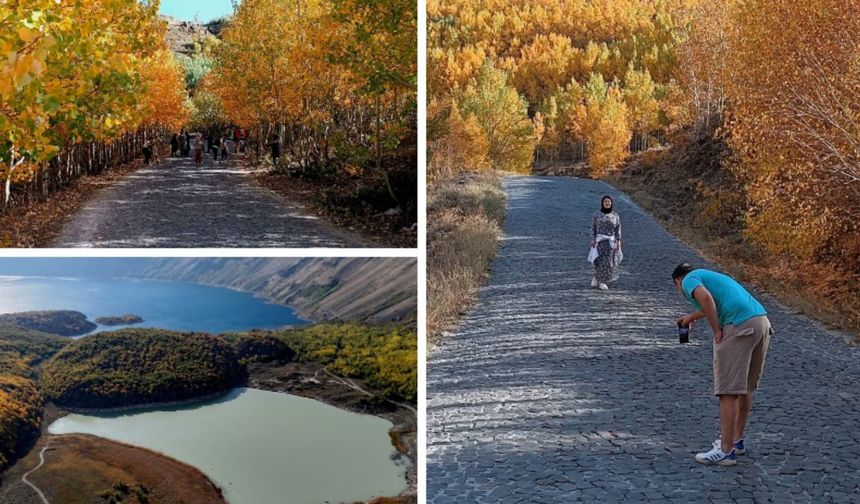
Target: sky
point(205, 10)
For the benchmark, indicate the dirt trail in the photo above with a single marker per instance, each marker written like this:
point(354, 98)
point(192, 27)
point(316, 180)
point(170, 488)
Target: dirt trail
point(31, 471)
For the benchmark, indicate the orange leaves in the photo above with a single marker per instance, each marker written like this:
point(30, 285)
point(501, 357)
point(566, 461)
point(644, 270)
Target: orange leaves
point(792, 83)
point(462, 147)
point(271, 61)
point(164, 102)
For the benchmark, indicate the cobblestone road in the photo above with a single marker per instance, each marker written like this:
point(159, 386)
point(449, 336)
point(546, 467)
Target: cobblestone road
point(551, 391)
point(178, 204)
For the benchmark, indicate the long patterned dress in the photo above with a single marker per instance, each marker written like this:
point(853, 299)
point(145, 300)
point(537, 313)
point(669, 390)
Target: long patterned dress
point(606, 266)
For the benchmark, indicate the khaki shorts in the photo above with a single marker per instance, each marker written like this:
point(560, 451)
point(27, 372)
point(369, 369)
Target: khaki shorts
point(739, 357)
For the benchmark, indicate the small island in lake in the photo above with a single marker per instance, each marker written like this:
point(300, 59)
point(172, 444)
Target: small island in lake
point(61, 322)
point(127, 319)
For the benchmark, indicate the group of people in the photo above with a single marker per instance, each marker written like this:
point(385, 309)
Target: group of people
point(740, 325)
point(183, 144)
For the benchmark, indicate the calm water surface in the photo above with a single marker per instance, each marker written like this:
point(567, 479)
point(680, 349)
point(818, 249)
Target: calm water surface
point(166, 305)
point(264, 447)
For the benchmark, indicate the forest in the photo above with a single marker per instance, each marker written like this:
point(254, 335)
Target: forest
point(745, 111)
point(60, 322)
point(386, 356)
point(130, 367)
point(21, 350)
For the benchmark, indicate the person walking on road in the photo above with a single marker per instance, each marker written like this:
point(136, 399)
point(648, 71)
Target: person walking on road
point(174, 145)
point(275, 145)
point(605, 251)
point(224, 149)
point(214, 144)
point(742, 334)
point(198, 149)
point(186, 145)
point(147, 152)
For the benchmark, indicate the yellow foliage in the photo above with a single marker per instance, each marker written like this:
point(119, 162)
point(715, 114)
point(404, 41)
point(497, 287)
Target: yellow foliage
point(503, 115)
point(793, 81)
point(165, 100)
point(550, 50)
point(463, 147)
point(78, 71)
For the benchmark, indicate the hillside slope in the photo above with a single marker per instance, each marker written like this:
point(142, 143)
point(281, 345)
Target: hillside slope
point(322, 289)
point(360, 289)
point(139, 366)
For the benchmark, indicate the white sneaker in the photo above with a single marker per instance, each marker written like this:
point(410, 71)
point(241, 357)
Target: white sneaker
point(717, 457)
point(594, 282)
point(603, 286)
point(738, 446)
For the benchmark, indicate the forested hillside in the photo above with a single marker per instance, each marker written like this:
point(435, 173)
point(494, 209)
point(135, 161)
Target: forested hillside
point(138, 366)
point(748, 107)
point(507, 79)
point(133, 367)
point(60, 322)
point(20, 400)
point(385, 356)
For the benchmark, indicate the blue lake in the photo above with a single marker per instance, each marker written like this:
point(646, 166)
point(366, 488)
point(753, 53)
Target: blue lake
point(166, 305)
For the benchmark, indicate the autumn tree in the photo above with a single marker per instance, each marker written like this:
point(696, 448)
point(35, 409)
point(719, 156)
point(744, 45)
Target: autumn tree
point(549, 49)
point(502, 114)
point(601, 119)
point(164, 103)
point(462, 147)
point(71, 72)
point(795, 125)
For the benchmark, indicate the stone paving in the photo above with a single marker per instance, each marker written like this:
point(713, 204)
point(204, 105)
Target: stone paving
point(178, 204)
point(551, 391)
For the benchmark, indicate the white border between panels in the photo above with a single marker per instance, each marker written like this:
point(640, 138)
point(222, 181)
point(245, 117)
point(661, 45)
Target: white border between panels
point(421, 457)
point(206, 252)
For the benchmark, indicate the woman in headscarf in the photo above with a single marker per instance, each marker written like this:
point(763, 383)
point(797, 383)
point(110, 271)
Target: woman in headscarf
point(606, 237)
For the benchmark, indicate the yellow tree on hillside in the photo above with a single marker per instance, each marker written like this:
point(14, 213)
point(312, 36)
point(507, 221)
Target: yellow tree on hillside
point(795, 125)
point(502, 114)
point(551, 49)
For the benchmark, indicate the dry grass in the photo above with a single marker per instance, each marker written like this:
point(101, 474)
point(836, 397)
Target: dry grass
point(81, 468)
point(465, 219)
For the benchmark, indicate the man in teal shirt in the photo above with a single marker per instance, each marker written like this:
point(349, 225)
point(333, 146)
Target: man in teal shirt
point(741, 337)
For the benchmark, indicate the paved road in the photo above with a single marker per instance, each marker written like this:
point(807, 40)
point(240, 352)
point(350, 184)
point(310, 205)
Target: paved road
point(177, 204)
point(553, 392)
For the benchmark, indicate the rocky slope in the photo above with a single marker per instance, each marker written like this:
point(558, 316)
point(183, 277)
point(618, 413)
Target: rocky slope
point(182, 35)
